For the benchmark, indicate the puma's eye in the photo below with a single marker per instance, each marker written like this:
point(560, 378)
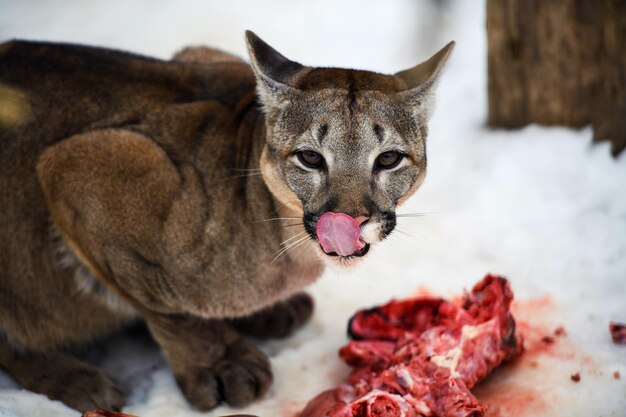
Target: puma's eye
point(311, 159)
point(388, 160)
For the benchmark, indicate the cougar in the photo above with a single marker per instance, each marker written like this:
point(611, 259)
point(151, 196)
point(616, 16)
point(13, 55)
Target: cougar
point(198, 196)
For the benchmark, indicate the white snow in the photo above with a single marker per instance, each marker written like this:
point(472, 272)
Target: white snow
point(542, 206)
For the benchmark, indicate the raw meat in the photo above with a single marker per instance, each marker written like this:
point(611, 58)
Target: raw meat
point(105, 413)
point(618, 332)
point(109, 413)
point(421, 356)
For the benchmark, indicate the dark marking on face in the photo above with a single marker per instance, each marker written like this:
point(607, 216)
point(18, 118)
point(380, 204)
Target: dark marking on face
point(322, 131)
point(388, 223)
point(379, 132)
point(272, 150)
point(310, 223)
point(370, 205)
point(340, 79)
point(351, 92)
point(310, 218)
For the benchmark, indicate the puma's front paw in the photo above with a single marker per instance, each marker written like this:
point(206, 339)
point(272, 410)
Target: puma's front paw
point(279, 320)
point(86, 389)
point(62, 377)
point(241, 376)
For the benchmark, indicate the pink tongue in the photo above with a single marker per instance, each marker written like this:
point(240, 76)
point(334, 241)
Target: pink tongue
point(338, 232)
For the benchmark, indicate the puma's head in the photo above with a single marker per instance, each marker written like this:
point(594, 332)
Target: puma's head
point(344, 141)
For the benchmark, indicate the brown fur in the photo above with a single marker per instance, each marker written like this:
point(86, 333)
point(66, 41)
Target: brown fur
point(132, 191)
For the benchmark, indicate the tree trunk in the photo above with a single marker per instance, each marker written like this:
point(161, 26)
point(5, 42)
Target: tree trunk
point(558, 62)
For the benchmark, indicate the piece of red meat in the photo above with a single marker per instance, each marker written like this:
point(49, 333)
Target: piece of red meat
point(110, 413)
point(105, 413)
point(421, 356)
point(618, 332)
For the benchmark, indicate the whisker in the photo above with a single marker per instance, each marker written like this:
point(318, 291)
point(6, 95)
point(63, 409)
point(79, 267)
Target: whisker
point(286, 248)
point(418, 214)
point(294, 224)
point(411, 215)
point(405, 233)
point(294, 246)
point(280, 205)
point(291, 238)
point(251, 174)
point(423, 237)
point(246, 169)
point(276, 218)
point(403, 244)
point(283, 243)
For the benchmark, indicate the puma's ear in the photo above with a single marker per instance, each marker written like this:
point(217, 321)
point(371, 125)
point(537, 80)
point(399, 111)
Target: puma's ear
point(273, 72)
point(422, 79)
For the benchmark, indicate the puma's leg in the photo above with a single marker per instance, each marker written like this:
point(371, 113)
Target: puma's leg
point(204, 55)
point(211, 361)
point(61, 377)
point(279, 320)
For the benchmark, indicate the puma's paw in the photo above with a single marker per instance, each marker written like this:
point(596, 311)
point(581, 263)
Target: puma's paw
point(279, 320)
point(241, 376)
point(83, 388)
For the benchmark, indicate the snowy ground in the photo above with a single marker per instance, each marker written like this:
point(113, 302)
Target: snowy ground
point(542, 206)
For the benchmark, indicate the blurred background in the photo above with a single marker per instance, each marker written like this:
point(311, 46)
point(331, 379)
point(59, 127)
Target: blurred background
point(543, 206)
point(347, 33)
